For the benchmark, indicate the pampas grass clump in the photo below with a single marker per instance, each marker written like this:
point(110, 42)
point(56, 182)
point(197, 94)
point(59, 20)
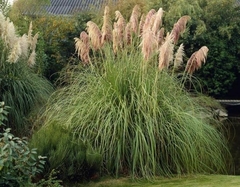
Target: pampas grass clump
point(138, 116)
point(142, 122)
point(20, 87)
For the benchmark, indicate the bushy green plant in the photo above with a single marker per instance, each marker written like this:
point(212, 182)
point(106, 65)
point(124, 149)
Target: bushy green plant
point(18, 163)
point(51, 181)
point(20, 87)
point(73, 158)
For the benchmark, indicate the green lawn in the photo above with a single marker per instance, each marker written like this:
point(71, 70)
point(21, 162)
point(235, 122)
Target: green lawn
point(188, 181)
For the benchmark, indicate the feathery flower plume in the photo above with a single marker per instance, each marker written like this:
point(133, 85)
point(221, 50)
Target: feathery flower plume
point(82, 46)
point(196, 60)
point(95, 35)
point(179, 57)
point(24, 45)
point(119, 27)
point(148, 23)
point(166, 52)
point(34, 42)
point(148, 44)
point(160, 36)
point(115, 38)
point(179, 27)
point(134, 18)
point(15, 53)
point(32, 59)
point(141, 24)
point(106, 28)
point(157, 21)
point(8, 33)
point(128, 34)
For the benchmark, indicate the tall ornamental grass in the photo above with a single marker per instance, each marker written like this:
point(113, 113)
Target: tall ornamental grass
point(20, 88)
point(131, 108)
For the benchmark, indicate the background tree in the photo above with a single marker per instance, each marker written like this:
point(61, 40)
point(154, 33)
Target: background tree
point(215, 24)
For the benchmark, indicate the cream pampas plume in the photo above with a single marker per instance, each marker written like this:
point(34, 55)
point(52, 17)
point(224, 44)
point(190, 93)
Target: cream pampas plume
point(128, 34)
point(116, 39)
point(95, 35)
point(160, 36)
point(15, 52)
point(166, 53)
point(82, 46)
point(179, 57)
point(106, 28)
point(134, 18)
point(148, 20)
point(179, 27)
point(196, 60)
point(141, 24)
point(8, 33)
point(119, 27)
point(34, 42)
point(32, 59)
point(157, 21)
point(148, 44)
point(24, 45)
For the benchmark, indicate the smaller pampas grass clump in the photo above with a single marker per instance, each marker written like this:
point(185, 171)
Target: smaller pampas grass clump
point(20, 87)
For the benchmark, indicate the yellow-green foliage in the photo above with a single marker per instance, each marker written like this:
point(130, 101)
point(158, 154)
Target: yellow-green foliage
point(55, 30)
point(70, 156)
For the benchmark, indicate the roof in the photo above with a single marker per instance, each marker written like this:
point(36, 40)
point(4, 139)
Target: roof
point(68, 7)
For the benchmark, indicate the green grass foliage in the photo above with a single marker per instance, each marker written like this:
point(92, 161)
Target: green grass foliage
point(140, 120)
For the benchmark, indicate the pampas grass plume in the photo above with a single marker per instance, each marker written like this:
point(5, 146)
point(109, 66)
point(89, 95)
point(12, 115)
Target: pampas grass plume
point(160, 36)
point(82, 47)
point(196, 60)
point(8, 33)
point(115, 38)
point(148, 44)
point(148, 20)
point(141, 23)
point(15, 53)
point(179, 57)
point(134, 18)
point(157, 21)
point(95, 35)
point(128, 34)
point(34, 42)
point(106, 28)
point(179, 27)
point(166, 53)
point(24, 45)
point(32, 59)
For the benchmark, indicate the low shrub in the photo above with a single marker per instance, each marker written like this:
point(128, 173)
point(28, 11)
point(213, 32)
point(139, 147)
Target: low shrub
point(18, 163)
point(74, 159)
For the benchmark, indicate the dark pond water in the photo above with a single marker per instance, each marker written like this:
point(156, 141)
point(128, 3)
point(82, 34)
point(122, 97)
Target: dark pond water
point(233, 134)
